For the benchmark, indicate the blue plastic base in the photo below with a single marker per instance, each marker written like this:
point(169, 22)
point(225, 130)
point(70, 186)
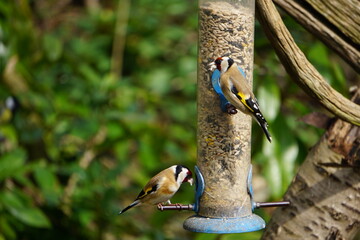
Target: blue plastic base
point(224, 225)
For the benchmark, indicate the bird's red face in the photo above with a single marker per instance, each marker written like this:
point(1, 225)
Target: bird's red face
point(188, 178)
point(218, 63)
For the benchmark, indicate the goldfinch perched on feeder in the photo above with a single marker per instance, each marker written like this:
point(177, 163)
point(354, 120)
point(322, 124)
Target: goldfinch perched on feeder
point(162, 186)
point(237, 91)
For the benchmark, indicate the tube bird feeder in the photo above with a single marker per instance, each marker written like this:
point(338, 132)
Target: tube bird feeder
point(226, 28)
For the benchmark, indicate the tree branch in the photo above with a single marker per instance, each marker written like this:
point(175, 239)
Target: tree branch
point(122, 17)
point(318, 25)
point(299, 68)
point(344, 14)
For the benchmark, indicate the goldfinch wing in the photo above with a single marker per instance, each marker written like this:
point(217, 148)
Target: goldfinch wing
point(250, 103)
point(146, 191)
point(239, 86)
point(150, 187)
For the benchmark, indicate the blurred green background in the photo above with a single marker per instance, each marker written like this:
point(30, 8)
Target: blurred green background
point(86, 139)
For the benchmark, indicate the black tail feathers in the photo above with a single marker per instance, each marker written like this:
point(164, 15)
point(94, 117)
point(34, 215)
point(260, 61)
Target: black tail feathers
point(130, 206)
point(263, 124)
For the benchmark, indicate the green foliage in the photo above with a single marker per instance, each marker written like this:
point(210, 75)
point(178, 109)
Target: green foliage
point(85, 140)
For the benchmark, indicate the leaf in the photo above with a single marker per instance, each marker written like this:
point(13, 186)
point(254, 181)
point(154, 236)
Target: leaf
point(148, 49)
point(53, 47)
point(175, 151)
point(31, 216)
point(269, 100)
point(85, 129)
point(147, 152)
point(319, 55)
point(122, 149)
point(85, 217)
point(63, 105)
point(11, 163)
point(340, 82)
point(273, 175)
point(6, 229)
point(11, 200)
point(187, 64)
point(158, 80)
point(89, 74)
point(268, 148)
point(289, 156)
point(48, 184)
point(114, 130)
point(28, 215)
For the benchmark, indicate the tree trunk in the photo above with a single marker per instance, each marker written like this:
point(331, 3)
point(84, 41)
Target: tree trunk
point(325, 194)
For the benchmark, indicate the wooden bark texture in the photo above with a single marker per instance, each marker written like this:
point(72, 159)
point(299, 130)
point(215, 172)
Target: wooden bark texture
point(299, 68)
point(344, 14)
point(325, 194)
point(319, 25)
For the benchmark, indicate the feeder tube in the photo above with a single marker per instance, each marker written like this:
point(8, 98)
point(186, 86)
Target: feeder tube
point(224, 141)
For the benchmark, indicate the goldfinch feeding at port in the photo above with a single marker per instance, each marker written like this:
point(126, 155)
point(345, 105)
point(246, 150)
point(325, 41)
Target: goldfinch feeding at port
point(237, 91)
point(162, 186)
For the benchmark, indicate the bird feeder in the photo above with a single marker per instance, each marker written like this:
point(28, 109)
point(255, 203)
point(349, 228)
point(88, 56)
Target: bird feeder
point(224, 194)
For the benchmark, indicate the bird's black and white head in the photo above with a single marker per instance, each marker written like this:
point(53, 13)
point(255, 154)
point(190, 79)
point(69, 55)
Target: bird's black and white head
point(182, 174)
point(223, 63)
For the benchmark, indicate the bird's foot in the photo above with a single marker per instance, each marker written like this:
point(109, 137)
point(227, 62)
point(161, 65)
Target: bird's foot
point(231, 109)
point(160, 207)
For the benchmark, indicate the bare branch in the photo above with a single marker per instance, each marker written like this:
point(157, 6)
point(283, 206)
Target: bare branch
point(344, 14)
point(318, 25)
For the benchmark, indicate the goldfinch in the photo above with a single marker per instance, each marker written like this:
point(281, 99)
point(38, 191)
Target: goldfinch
point(162, 186)
point(237, 91)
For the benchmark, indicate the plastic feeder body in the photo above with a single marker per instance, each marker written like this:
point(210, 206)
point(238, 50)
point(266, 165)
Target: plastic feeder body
point(226, 28)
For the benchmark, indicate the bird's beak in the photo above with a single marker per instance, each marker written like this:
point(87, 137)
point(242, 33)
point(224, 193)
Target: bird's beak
point(191, 181)
point(212, 66)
